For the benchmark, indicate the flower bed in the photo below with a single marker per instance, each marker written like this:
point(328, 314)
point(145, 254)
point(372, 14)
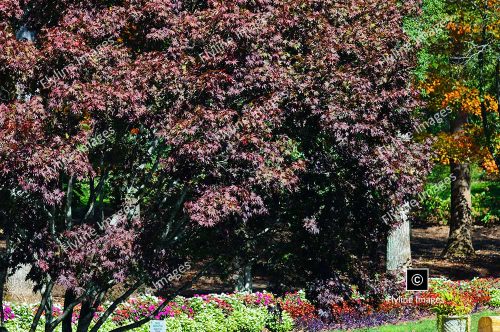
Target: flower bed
point(256, 311)
point(214, 312)
point(444, 296)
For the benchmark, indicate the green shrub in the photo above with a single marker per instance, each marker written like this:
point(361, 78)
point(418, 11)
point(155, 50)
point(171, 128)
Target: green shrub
point(24, 316)
point(210, 319)
point(246, 319)
point(435, 209)
point(196, 303)
point(484, 211)
point(495, 298)
point(277, 323)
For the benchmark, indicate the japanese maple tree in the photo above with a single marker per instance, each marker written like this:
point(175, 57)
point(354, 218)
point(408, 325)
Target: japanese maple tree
point(160, 119)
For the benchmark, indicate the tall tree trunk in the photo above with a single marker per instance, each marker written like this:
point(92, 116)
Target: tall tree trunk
point(244, 279)
point(398, 256)
point(244, 282)
point(41, 307)
point(5, 255)
point(89, 308)
point(49, 307)
point(4, 268)
point(460, 238)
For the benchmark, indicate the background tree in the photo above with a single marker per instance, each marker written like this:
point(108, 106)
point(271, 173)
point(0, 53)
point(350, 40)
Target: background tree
point(459, 72)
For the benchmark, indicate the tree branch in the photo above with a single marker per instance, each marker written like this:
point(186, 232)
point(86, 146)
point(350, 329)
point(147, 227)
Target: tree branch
point(165, 303)
point(70, 308)
point(114, 305)
point(97, 193)
point(69, 201)
point(39, 311)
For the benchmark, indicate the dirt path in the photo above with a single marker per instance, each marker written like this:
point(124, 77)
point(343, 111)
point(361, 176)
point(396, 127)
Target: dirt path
point(428, 243)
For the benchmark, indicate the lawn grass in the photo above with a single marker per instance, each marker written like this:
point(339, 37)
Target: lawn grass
point(425, 325)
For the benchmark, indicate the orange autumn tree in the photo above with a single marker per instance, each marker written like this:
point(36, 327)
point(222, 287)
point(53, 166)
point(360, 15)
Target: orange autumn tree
point(469, 143)
point(461, 74)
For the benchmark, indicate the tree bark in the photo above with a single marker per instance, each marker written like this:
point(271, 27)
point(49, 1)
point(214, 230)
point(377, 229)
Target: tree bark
point(41, 308)
point(49, 307)
point(398, 256)
point(460, 239)
point(89, 308)
point(86, 314)
point(3, 279)
point(4, 270)
point(69, 298)
point(244, 281)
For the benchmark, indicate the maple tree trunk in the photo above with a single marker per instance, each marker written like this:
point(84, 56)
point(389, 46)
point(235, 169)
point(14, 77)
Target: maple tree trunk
point(48, 308)
point(67, 323)
point(41, 308)
point(88, 310)
point(398, 256)
point(86, 315)
point(4, 271)
point(460, 239)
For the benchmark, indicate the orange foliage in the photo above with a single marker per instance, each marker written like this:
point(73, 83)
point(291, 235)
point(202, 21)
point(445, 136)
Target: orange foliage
point(468, 100)
point(490, 166)
point(458, 29)
point(464, 146)
point(457, 97)
point(442, 91)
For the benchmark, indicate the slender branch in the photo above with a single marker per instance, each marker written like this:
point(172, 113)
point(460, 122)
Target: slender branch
point(52, 221)
point(36, 319)
point(96, 193)
point(141, 192)
point(165, 303)
point(69, 201)
point(114, 305)
point(70, 308)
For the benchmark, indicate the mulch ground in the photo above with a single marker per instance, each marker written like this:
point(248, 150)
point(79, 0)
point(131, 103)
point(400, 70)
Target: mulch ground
point(428, 244)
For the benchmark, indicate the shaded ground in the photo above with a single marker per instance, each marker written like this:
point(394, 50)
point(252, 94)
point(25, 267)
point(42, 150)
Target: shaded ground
point(428, 243)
